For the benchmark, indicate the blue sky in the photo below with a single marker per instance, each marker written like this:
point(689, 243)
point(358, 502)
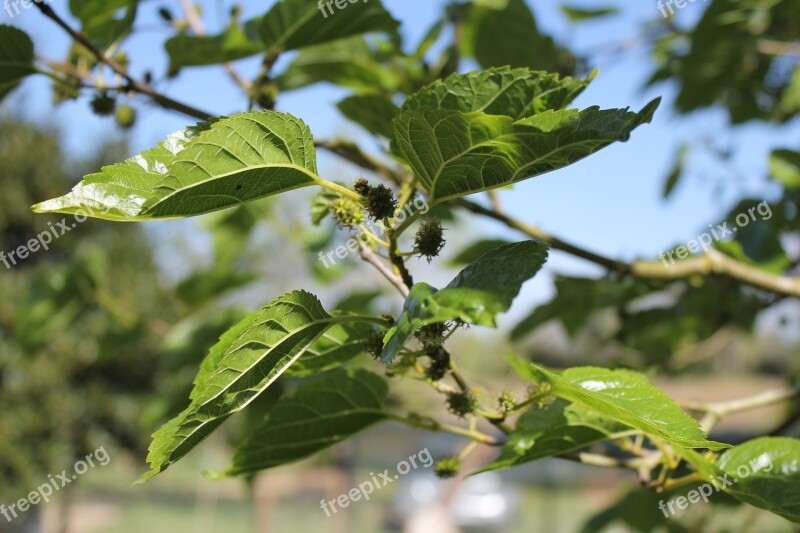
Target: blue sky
point(610, 202)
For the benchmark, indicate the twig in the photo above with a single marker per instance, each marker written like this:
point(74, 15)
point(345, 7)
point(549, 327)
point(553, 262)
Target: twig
point(369, 256)
point(133, 84)
point(430, 424)
point(716, 411)
point(353, 153)
point(778, 48)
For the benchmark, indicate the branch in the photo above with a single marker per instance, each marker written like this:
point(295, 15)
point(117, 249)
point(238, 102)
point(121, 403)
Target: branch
point(369, 256)
point(353, 153)
point(716, 411)
point(778, 48)
point(133, 84)
point(713, 262)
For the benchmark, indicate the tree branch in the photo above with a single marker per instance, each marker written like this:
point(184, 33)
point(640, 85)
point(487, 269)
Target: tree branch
point(369, 256)
point(716, 411)
point(133, 84)
point(712, 263)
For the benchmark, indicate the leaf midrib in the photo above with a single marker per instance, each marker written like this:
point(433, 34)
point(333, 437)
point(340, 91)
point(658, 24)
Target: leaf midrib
point(314, 179)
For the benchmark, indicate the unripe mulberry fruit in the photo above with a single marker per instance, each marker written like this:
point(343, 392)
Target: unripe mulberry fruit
point(346, 212)
point(104, 104)
point(381, 202)
point(373, 344)
point(429, 240)
point(125, 117)
point(461, 403)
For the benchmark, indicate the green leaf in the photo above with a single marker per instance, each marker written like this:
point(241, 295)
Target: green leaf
point(784, 165)
point(790, 100)
point(576, 14)
point(321, 413)
point(347, 62)
point(245, 362)
point(559, 428)
point(476, 250)
point(454, 154)
point(676, 172)
point(516, 93)
point(295, 24)
point(119, 191)
point(772, 480)
point(476, 295)
point(101, 21)
point(625, 396)
point(522, 45)
point(237, 159)
point(334, 348)
point(198, 50)
point(373, 112)
point(16, 58)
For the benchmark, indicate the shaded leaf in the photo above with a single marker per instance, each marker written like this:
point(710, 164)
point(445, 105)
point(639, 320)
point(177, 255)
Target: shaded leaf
point(347, 62)
point(197, 50)
point(522, 45)
point(373, 112)
point(321, 413)
point(784, 165)
point(16, 58)
point(104, 22)
point(577, 14)
point(476, 295)
point(334, 348)
point(476, 250)
point(294, 24)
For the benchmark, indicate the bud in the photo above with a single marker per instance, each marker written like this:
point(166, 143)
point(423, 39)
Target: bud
point(506, 401)
point(362, 187)
point(447, 467)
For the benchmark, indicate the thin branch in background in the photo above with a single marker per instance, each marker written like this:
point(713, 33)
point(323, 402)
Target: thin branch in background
point(132, 84)
point(196, 24)
point(716, 411)
point(369, 256)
